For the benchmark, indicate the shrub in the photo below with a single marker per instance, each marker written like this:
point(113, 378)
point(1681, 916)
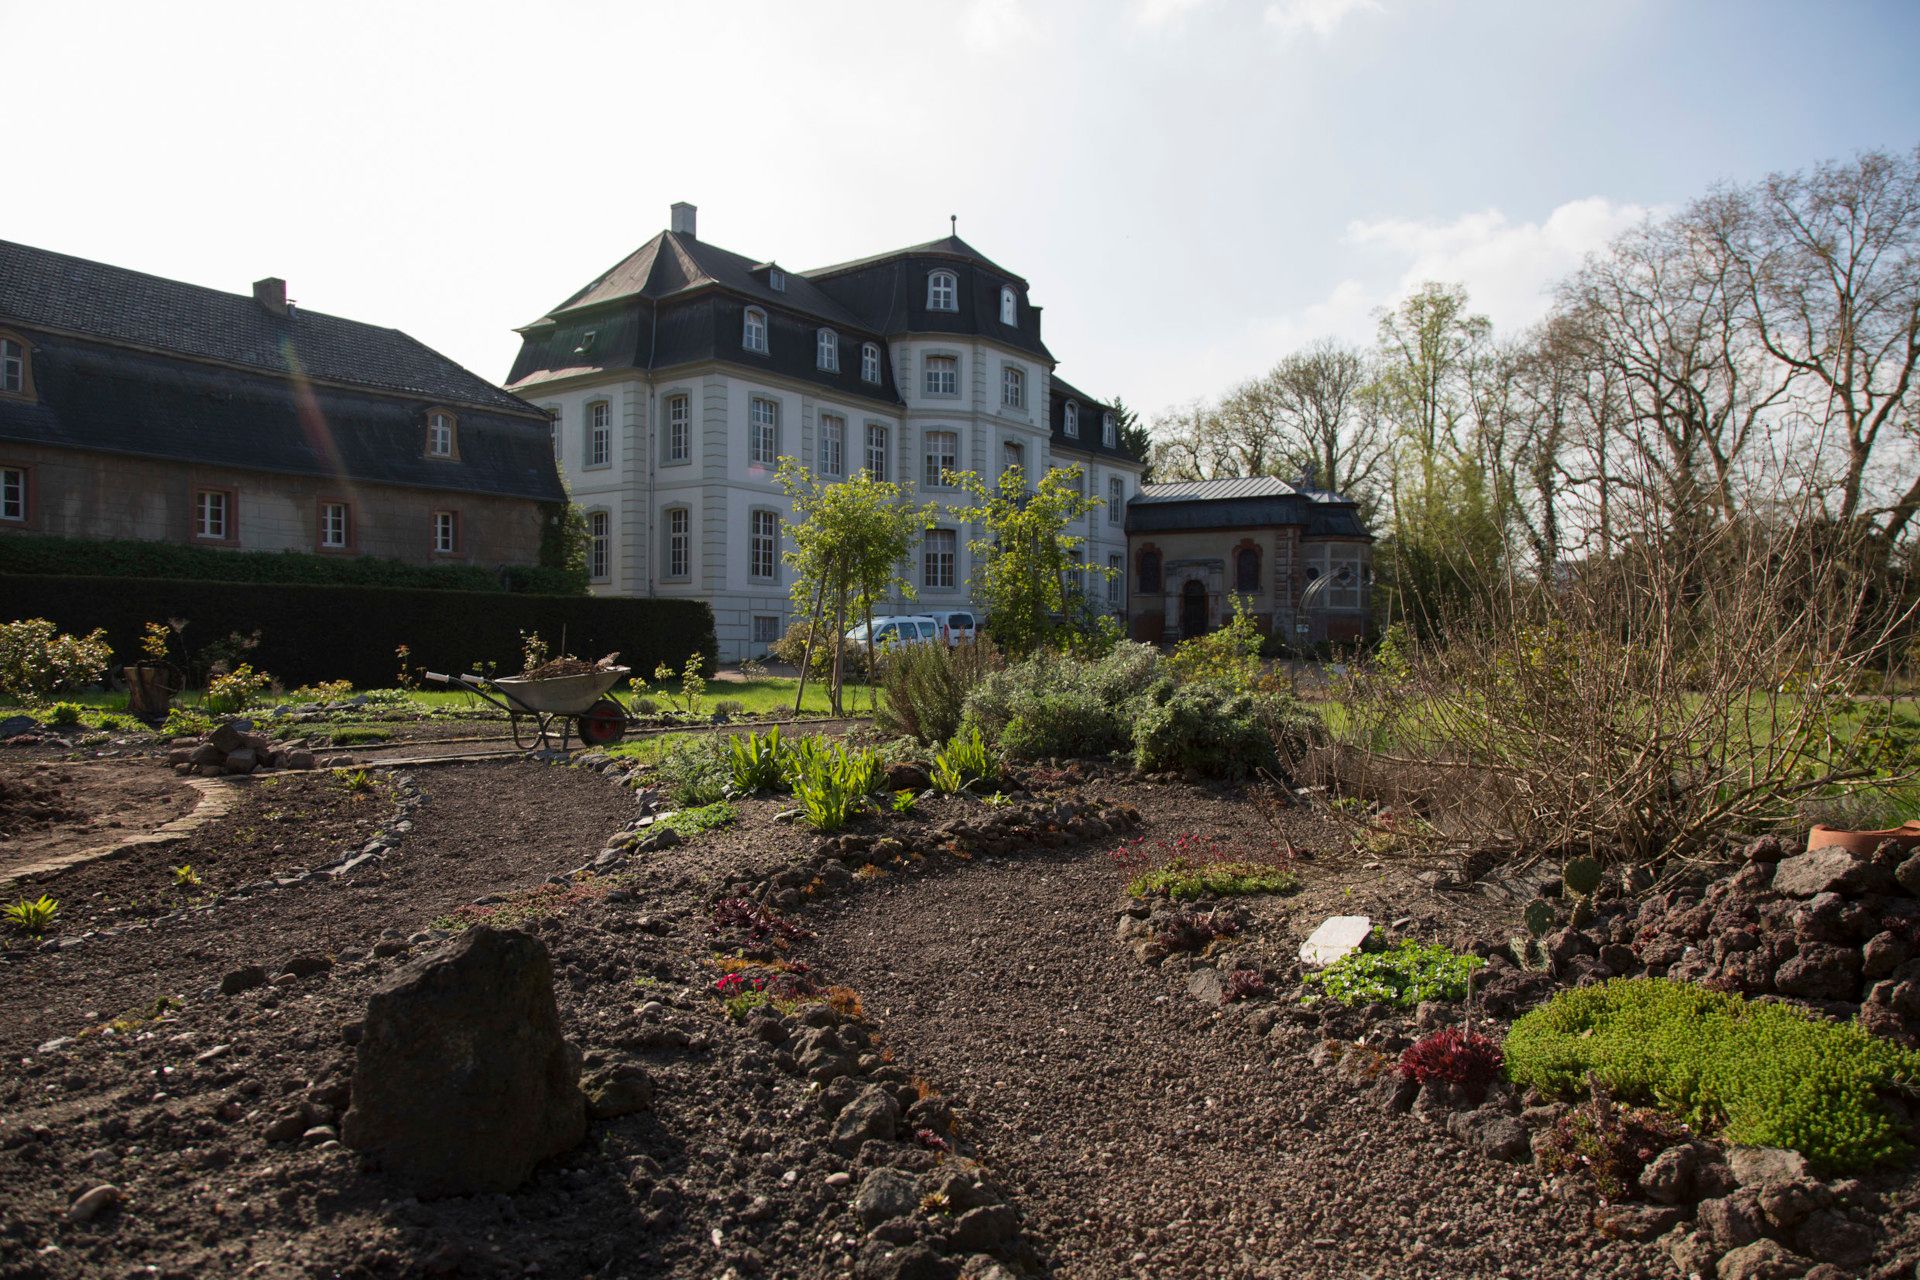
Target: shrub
point(235, 690)
point(695, 770)
point(1055, 705)
point(924, 687)
point(791, 648)
point(1769, 1074)
point(325, 691)
point(728, 708)
point(1611, 1142)
point(1402, 975)
point(1228, 657)
point(63, 714)
point(1466, 1059)
point(37, 659)
point(1181, 880)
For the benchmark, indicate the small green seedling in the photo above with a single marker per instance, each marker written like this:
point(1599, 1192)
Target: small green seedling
point(34, 917)
point(903, 801)
point(354, 781)
point(185, 877)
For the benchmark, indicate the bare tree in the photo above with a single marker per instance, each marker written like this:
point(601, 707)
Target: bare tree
point(1330, 417)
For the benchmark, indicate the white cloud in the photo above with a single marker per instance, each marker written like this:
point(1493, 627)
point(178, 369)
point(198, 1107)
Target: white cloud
point(1291, 17)
point(1160, 13)
point(990, 26)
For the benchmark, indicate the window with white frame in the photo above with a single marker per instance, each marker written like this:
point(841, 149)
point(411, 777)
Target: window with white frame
point(776, 280)
point(1107, 436)
point(828, 354)
point(213, 515)
point(870, 362)
point(1009, 306)
point(599, 545)
point(13, 366)
point(1071, 420)
point(439, 434)
point(765, 544)
point(943, 457)
point(1117, 565)
point(13, 494)
point(753, 332)
point(763, 422)
point(554, 429)
point(336, 526)
point(766, 628)
point(833, 443)
point(1116, 498)
point(943, 292)
point(446, 532)
point(876, 451)
point(1013, 387)
point(938, 553)
point(679, 429)
point(599, 434)
point(679, 542)
point(1013, 454)
point(943, 375)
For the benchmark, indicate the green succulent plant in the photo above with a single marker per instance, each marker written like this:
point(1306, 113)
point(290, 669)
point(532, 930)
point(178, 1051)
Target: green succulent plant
point(1538, 917)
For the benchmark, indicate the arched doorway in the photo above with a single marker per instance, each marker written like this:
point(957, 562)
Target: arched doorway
point(1193, 609)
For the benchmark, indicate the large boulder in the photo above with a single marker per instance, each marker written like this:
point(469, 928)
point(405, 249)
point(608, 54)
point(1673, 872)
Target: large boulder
point(1829, 871)
point(464, 1081)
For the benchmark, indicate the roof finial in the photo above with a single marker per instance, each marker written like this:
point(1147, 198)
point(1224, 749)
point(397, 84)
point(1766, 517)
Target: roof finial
point(953, 224)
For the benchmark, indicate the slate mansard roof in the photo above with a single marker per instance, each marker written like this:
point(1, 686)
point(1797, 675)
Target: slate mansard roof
point(1239, 503)
point(677, 299)
point(129, 363)
point(1091, 439)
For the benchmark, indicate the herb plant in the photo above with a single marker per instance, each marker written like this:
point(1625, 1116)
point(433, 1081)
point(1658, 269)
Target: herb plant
point(1402, 975)
point(34, 916)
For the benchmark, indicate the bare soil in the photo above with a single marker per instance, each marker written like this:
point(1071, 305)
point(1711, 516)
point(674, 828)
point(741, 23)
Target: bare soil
point(49, 808)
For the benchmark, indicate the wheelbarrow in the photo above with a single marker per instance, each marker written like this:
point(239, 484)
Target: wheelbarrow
point(557, 706)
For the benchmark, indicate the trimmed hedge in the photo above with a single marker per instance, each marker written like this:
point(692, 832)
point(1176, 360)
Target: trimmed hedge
point(64, 557)
point(314, 633)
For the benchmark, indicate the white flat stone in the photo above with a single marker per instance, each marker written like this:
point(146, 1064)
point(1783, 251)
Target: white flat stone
point(1337, 936)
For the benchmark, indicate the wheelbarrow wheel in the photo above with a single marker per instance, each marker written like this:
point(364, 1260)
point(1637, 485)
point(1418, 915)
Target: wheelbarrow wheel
point(603, 722)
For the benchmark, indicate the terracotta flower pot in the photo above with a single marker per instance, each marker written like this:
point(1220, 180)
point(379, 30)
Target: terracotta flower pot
point(1907, 834)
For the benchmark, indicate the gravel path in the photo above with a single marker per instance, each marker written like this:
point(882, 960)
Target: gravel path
point(1145, 1135)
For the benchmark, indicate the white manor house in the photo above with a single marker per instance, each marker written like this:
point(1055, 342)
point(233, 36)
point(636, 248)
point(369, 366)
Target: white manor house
point(681, 377)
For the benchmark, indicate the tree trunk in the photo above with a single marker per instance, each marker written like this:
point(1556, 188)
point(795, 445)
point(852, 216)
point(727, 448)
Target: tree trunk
point(813, 638)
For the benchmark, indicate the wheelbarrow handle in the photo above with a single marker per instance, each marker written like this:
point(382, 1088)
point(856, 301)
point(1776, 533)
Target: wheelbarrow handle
point(437, 677)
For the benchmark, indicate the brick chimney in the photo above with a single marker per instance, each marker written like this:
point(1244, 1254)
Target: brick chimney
point(683, 216)
point(271, 293)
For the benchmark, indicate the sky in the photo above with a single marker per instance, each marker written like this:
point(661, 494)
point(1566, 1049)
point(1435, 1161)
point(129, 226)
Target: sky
point(1192, 188)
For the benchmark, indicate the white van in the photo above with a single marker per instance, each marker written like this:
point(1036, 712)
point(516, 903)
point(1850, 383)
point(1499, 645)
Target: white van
point(959, 627)
point(903, 629)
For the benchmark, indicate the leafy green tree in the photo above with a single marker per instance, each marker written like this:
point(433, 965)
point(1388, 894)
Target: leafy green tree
point(849, 541)
point(1027, 569)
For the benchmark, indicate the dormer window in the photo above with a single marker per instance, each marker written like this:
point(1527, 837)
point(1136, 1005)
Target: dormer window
point(943, 292)
point(870, 362)
point(753, 334)
point(586, 342)
point(1072, 420)
point(776, 280)
point(441, 440)
point(1106, 431)
point(828, 343)
point(1009, 306)
point(16, 367)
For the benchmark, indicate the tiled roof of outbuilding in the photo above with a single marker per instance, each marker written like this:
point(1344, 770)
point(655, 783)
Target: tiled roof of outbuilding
point(43, 289)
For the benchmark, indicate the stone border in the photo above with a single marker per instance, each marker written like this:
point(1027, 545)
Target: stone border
point(217, 797)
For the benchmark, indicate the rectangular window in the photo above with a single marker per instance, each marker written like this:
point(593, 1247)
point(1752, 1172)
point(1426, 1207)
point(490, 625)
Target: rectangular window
point(335, 526)
point(599, 545)
point(1013, 387)
point(876, 451)
point(446, 532)
point(212, 515)
point(765, 544)
point(943, 457)
point(763, 419)
point(943, 375)
point(554, 428)
point(870, 363)
point(679, 543)
point(1113, 579)
point(766, 628)
point(679, 429)
point(13, 366)
point(829, 351)
point(440, 435)
point(1116, 499)
point(599, 434)
point(939, 554)
point(13, 494)
point(833, 441)
point(1108, 436)
point(1013, 455)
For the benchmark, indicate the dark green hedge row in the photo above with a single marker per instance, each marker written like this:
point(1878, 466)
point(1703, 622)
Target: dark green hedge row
point(33, 553)
point(314, 633)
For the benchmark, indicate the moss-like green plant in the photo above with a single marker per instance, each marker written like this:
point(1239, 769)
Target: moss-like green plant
point(1762, 1074)
point(1181, 880)
point(1403, 975)
point(691, 822)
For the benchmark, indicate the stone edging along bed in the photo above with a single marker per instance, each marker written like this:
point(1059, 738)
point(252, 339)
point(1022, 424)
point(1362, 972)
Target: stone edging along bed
point(386, 839)
point(216, 799)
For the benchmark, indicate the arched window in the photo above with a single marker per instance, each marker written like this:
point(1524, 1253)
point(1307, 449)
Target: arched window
point(1246, 570)
point(870, 362)
point(943, 291)
point(1147, 566)
point(1009, 306)
point(828, 344)
point(1073, 420)
point(753, 334)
